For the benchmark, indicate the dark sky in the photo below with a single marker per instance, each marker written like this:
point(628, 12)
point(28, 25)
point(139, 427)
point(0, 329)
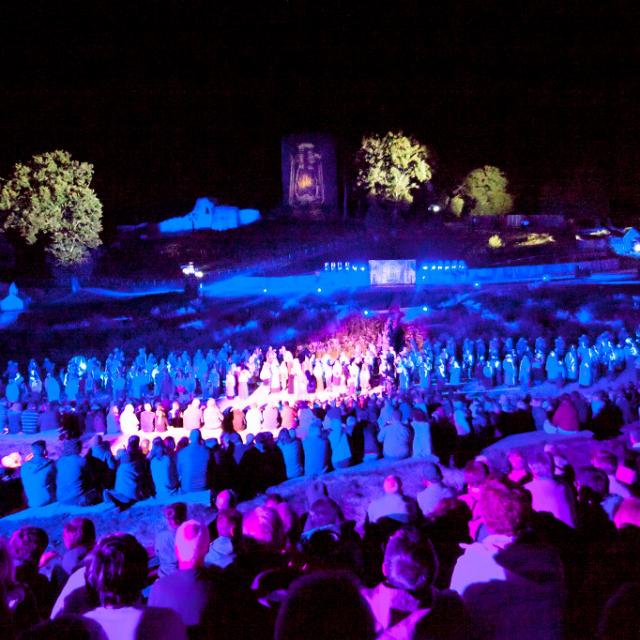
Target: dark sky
point(173, 100)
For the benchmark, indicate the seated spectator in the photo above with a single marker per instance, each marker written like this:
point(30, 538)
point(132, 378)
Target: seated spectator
point(30, 419)
point(18, 610)
point(518, 468)
point(147, 419)
point(222, 550)
point(129, 422)
point(188, 591)
point(79, 538)
point(396, 438)
point(291, 448)
point(421, 434)
point(565, 417)
point(475, 474)
point(74, 484)
point(434, 491)
point(193, 463)
point(102, 464)
point(407, 603)
point(512, 589)
point(192, 416)
point(27, 546)
point(339, 441)
point(118, 573)
point(164, 473)
point(608, 462)
point(549, 494)
point(592, 520)
point(133, 480)
point(317, 451)
point(39, 476)
point(323, 606)
point(165, 546)
point(393, 504)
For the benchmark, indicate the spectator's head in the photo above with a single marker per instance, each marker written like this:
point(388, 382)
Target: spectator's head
point(323, 606)
point(118, 570)
point(170, 444)
point(431, 473)
point(263, 526)
point(79, 532)
point(229, 523)
point(628, 513)
point(28, 544)
point(39, 448)
point(324, 512)
point(147, 406)
point(192, 544)
point(542, 466)
point(517, 461)
point(505, 506)
point(410, 562)
point(71, 447)
point(175, 514)
point(475, 473)
point(591, 483)
point(392, 484)
point(133, 444)
point(605, 460)
point(226, 499)
point(195, 436)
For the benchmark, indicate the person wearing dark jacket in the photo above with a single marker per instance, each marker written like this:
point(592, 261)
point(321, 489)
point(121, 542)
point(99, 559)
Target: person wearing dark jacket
point(73, 481)
point(193, 463)
point(133, 480)
point(39, 476)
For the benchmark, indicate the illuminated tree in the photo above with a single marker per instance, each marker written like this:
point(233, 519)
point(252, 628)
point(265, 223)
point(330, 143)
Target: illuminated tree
point(485, 191)
point(50, 199)
point(392, 167)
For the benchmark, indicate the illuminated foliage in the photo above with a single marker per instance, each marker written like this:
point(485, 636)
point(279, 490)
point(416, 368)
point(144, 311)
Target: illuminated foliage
point(50, 199)
point(535, 240)
point(456, 205)
point(486, 191)
point(391, 167)
point(495, 242)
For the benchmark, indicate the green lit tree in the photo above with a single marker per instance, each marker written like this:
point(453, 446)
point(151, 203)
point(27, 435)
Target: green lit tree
point(484, 192)
point(50, 199)
point(391, 168)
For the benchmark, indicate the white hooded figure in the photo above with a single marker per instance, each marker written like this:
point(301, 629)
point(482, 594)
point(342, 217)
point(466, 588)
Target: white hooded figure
point(129, 422)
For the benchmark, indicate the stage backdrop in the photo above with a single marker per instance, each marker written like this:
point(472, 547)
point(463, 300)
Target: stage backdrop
point(309, 173)
point(392, 272)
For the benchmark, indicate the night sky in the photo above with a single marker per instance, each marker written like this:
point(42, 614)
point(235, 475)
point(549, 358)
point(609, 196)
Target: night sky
point(173, 100)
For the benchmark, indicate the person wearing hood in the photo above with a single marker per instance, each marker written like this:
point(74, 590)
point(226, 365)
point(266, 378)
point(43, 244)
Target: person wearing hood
point(317, 450)
point(511, 589)
point(39, 476)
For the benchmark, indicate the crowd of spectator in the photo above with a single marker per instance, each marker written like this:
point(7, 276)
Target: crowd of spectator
point(538, 550)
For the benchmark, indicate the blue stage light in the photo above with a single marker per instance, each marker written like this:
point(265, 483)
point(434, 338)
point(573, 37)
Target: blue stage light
point(319, 290)
point(366, 312)
point(425, 308)
point(476, 285)
point(264, 290)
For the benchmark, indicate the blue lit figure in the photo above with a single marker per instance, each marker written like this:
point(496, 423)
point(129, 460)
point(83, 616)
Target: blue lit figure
point(468, 360)
point(585, 373)
point(509, 370)
point(571, 364)
point(551, 367)
point(487, 374)
point(537, 367)
point(454, 372)
point(524, 371)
